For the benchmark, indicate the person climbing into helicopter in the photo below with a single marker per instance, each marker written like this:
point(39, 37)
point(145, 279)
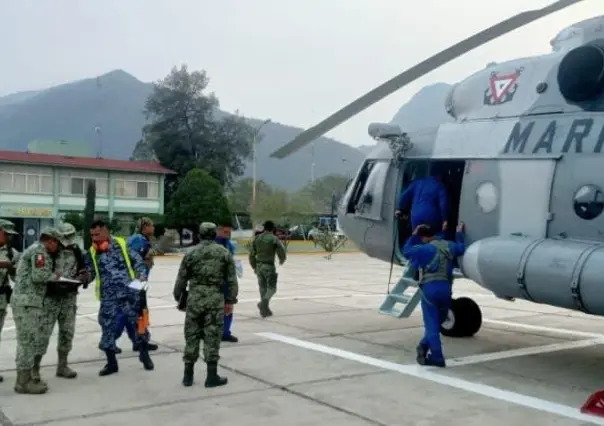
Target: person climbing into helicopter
point(427, 199)
point(433, 257)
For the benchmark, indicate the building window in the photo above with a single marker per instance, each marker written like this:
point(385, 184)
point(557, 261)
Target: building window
point(73, 182)
point(588, 202)
point(137, 186)
point(26, 180)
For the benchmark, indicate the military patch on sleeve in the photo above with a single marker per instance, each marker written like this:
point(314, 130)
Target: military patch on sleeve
point(40, 261)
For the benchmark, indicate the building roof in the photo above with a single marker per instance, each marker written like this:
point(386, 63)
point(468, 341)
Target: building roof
point(82, 162)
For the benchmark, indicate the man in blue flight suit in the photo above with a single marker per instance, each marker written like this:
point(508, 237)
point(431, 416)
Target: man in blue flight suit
point(427, 198)
point(433, 257)
point(223, 237)
point(140, 243)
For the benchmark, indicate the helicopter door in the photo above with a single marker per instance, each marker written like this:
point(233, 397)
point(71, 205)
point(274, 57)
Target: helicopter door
point(507, 196)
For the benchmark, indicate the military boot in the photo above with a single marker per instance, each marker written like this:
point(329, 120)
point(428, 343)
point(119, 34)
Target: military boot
point(1, 379)
point(143, 356)
point(63, 369)
point(269, 313)
point(262, 308)
point(150, 347)
point(25, 384)
point(187, 378)
point(111, 366)
point(213, 379)
point(35, 371)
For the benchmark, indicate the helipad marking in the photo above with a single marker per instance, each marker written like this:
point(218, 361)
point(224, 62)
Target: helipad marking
point(494, 356)
point(430, 375)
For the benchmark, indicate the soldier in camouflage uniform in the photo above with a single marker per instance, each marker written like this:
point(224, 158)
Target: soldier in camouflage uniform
point(9, 258)
point(262, 261)
point(61, 306)
point(37, 269)
point(206, 269)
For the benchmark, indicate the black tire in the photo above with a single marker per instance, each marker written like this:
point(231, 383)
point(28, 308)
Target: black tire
point(465, 319)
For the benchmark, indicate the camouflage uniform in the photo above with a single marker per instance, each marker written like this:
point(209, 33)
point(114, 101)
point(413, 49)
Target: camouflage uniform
point(262, 261)
point(62, 308)
point(7, 254)
point(35, 269)
point(117, 299)
point(205, 269)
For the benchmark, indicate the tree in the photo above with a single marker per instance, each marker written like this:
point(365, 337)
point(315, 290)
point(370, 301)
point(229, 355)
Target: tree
point(89, 212)
point(282, 208)
point(240, 195)
point(76, 219)
point(197, 199)
point(185, 134)
point(321, 192)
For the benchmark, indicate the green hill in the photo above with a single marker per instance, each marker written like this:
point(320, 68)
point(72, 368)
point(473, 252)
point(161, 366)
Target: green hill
point(113, 102)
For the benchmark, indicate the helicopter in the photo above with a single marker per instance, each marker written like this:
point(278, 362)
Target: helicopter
point(522, 168)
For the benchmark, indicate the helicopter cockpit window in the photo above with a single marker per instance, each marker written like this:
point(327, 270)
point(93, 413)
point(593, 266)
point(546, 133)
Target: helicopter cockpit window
point(366, 200)
point(589, 202)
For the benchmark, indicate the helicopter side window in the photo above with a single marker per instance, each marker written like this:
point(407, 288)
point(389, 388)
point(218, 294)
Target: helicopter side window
point(589, 202)
point(366, 200)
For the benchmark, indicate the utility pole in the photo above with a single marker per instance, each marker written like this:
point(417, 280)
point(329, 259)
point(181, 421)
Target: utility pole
point(254, 142)
point(98, 130)
point(312, 162)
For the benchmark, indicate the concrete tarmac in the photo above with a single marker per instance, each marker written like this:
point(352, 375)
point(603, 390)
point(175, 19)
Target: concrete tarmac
point(326, 357)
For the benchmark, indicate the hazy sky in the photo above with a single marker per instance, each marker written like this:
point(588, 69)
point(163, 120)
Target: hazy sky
point(295, 61)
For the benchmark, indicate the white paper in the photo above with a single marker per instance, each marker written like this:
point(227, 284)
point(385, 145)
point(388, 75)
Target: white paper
point(239, 268)
point(138, 285)
point(67, 280)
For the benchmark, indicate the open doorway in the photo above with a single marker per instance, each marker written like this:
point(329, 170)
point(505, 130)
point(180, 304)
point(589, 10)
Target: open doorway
point(451, 172)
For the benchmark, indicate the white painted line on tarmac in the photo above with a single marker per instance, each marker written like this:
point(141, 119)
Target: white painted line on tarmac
point(544, 329)
point(535, 350)
point(430, 375)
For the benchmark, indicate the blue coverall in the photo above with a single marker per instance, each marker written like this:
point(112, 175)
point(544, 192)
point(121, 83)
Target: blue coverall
point(436, 297)
point(228, 319)
point(118, 301)
point(140, 244)
point(428, 200)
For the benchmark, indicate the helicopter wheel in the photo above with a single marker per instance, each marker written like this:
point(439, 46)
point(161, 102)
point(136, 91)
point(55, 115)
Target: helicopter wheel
point(464, 319)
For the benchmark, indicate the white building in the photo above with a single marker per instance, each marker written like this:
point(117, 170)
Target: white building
point(36, 189)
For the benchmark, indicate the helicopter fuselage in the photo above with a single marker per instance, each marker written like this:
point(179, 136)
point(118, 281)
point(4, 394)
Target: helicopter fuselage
point(525, 159)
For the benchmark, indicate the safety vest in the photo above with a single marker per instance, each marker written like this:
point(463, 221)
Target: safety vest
point(438, 269)
point(120, 242)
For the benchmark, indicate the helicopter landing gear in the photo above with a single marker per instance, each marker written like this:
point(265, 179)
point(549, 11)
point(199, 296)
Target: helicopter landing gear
point(464, 319)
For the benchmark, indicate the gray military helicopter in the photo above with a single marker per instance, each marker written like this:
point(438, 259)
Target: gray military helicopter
point(523, 171)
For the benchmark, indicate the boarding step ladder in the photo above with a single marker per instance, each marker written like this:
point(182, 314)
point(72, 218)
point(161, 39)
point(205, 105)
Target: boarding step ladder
point(407, 302)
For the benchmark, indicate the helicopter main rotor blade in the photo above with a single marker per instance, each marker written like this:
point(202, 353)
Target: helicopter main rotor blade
point(418, 71)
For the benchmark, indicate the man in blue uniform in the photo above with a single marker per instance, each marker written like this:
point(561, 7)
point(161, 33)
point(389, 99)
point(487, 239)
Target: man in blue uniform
point(223, 237)
point(139, 242)
point(433, 257)
point(113, 267)
point(427, 198)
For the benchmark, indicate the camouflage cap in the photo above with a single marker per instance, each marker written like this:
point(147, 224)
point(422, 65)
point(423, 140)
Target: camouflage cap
point(51, 232)
point(68, 233)
point(206, 227)
point(7, 226)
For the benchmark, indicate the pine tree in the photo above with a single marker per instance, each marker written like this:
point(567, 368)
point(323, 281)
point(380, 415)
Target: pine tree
point(89, 212)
